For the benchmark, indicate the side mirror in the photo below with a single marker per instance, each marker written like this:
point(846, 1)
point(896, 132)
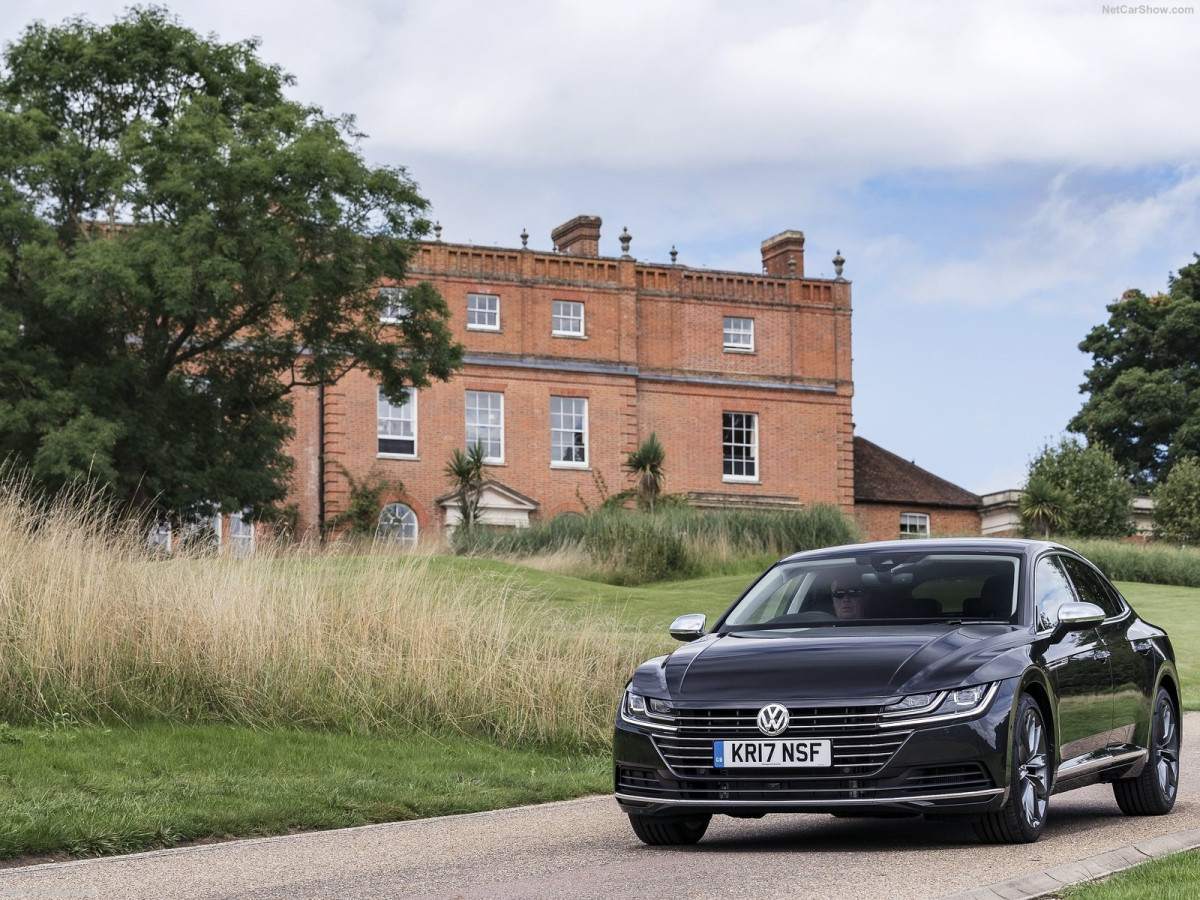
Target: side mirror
point(688, 627)
point(1079, 616)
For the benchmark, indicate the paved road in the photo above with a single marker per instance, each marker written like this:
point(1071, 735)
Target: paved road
point(584, 849)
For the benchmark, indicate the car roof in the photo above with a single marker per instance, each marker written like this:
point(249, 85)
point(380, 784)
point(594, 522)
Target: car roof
point(1010, 546)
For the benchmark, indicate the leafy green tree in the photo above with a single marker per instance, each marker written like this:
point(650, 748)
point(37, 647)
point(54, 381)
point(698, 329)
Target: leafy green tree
point(181, 247)
point(1044, 508)
point(646, 467)
point(1092, 491)
point(465, 471)
point(1144, 384)
point(1177, 503)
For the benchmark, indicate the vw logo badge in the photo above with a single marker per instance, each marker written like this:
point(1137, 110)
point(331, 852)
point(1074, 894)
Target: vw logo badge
point(773, 719)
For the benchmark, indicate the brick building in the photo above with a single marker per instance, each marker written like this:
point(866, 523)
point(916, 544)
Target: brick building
point(572, 359)
point(895, 498)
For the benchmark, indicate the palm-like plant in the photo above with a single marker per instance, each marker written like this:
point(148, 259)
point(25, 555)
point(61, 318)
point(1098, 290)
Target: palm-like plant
point(1043, 506)
point(645, 466)
point(465, 471)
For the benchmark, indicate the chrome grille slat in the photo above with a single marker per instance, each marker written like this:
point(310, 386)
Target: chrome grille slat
point(860, 745)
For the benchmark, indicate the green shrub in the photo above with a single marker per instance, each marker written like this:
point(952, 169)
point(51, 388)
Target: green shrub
point(1177, 503)
point(1152, 563)
point(631, 547)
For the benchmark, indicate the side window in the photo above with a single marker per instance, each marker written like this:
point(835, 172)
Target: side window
point(738, 334)
point(1092, 588)
point(1051, 589)
point(398, 522)
point(396, 426)
point(483, 312)
point(914, 525)
point(392, 308)
point(739, 446)
point(567, 318)
point(485, 424)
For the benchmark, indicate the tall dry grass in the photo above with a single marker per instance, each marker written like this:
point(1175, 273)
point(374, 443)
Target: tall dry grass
point(94, 628)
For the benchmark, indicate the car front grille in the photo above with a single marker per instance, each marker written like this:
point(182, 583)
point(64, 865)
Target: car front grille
point(860, 746)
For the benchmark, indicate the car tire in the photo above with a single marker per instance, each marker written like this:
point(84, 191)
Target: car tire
point(1021, 818)
point(1153, 792)
point(659, 832)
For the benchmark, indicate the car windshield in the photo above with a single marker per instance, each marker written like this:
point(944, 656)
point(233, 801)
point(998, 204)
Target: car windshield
point(881, 589)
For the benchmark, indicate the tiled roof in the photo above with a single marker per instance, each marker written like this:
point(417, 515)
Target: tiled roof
point(884, 477)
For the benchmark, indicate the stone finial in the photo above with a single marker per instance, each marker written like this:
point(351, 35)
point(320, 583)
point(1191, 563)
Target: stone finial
point(625, 238)
point(838, 262)
point(524, 238)
point(674, 254)
point(437, 231)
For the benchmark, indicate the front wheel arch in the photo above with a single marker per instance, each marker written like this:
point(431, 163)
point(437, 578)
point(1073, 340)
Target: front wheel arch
point(1041, 695)
point(1030, 767)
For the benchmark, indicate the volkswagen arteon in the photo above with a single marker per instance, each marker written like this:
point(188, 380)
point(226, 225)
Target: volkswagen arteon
point(968, 677)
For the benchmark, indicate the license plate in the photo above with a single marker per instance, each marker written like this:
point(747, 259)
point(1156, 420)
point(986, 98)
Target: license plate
point(771, 754)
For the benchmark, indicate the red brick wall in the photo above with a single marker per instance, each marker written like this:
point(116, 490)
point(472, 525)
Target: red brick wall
point(881, 522)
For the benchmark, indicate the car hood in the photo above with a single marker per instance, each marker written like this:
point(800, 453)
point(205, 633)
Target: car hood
point(828, 664)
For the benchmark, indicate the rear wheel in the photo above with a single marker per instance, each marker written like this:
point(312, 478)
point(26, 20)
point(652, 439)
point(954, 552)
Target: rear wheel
point(1152, 793)
point(1021, 818)
point(659, 831)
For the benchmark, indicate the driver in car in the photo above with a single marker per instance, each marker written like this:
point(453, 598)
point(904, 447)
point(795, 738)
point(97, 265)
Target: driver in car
point(848, 595)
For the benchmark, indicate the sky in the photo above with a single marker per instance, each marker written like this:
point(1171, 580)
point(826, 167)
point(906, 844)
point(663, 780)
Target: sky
point(994, 173)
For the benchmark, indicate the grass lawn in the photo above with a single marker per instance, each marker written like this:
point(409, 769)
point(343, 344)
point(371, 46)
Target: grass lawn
point(1175, 609)
point(1174, 877)
point(66, 788)
point(84, 791)
point(649, 608)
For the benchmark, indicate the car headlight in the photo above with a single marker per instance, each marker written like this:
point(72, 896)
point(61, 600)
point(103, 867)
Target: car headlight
point(940, 705)
point(647, 711)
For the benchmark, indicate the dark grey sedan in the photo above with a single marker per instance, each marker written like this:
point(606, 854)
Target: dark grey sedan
point(968, 677)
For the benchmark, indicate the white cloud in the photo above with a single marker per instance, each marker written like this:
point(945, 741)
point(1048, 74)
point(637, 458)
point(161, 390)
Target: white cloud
point(833, 85)
point(691, 84)
point(1077, 241)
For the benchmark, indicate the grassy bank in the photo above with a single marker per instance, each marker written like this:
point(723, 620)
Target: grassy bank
point(1174, 877)
point(92, 629)
point(628, 547)
point(77, 790)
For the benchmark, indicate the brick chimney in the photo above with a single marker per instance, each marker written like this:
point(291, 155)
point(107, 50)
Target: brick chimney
point(783, 255)
point(579, 237)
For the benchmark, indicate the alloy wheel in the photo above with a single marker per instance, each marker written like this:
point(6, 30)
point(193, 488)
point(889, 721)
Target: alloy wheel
point(1166, 745)
point(1033, 783)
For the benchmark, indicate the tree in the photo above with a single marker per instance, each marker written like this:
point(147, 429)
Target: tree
point(465, 471)
point(1043, 507)
point(182, 247)
point(1090, 488)
point(1177, 503)
point(1144, 384)
point(645, 466)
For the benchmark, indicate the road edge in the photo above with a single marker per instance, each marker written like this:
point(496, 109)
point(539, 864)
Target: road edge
point(1044, 884)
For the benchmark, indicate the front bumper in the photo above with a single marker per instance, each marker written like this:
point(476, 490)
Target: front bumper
point(955, 767)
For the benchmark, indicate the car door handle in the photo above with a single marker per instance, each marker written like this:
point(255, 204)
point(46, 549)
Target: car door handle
point(1143, 646)
point(1101, 655)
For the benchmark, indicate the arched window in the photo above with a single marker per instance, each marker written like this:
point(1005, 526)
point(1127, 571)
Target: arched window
point(398, 523)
